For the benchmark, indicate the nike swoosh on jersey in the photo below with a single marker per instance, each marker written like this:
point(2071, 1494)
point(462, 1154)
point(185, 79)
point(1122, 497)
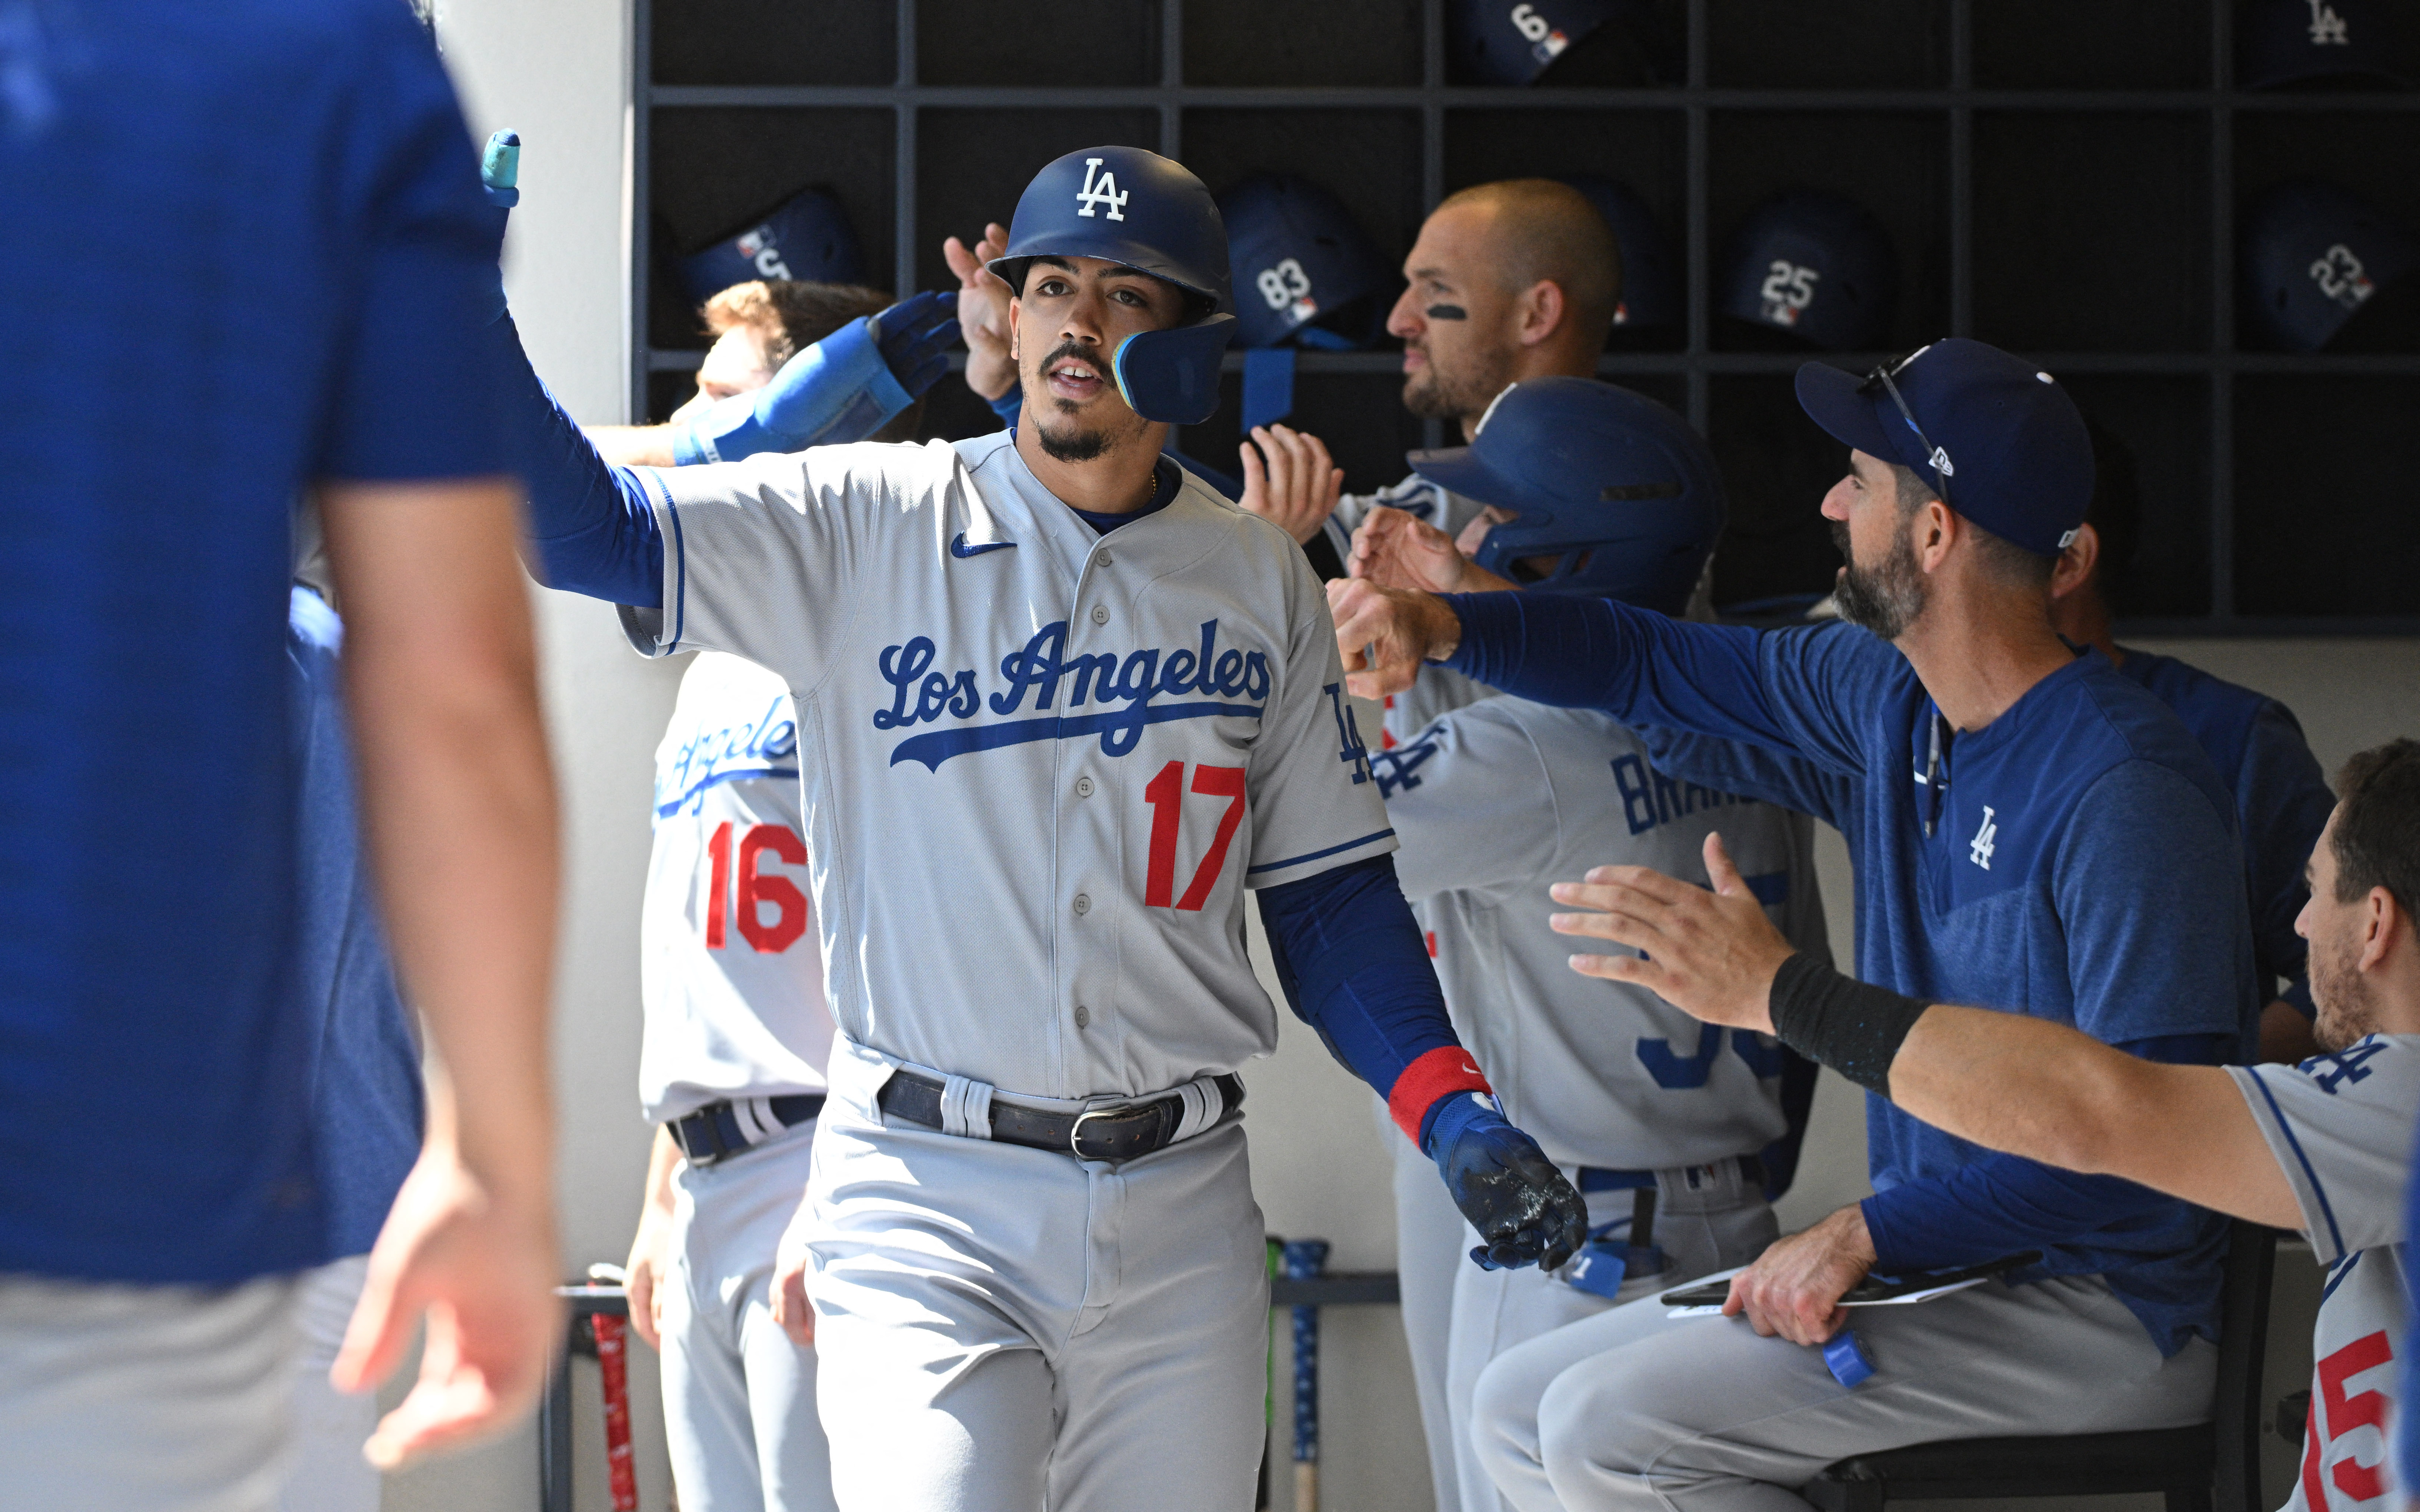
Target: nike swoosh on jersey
point(960, 549)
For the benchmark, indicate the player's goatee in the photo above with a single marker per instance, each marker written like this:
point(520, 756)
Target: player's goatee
point(1888, 598)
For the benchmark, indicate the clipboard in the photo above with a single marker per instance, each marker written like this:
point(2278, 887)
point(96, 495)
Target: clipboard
point(1705, 1299)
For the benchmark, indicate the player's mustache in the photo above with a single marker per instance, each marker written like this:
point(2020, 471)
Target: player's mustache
point(1078, 351)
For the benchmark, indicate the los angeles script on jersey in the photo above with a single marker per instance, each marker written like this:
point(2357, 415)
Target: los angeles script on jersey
point(1152, 686)
point(761, 747)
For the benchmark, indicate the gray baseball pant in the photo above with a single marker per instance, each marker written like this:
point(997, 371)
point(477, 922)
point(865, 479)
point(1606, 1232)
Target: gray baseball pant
point(1432, 1243)
point(326, 1472)
point(1638, 1411)
point(740, 1397)
point(119, 1398)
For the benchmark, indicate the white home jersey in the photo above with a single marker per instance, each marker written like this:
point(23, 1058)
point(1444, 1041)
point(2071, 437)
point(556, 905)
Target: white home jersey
point(1499, 799)
point(2340, 1126)
point(729, 972)
point(1437, 690)
point(1040, 765)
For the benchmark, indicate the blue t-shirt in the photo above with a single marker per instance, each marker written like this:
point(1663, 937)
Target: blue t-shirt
point(243, 250)
point(2282, 801)
point(2081, 865)
point(364, 1063)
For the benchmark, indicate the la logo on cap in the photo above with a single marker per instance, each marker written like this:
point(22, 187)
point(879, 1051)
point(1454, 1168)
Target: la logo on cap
point(1103, 191)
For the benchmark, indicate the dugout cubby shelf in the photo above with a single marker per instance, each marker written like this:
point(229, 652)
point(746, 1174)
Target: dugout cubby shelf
point(2061, 176)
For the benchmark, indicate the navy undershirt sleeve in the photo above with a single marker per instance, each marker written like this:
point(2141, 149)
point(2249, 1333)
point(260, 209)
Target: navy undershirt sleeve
point(1349, 954)
point(592, 529)
point(2005, 1203)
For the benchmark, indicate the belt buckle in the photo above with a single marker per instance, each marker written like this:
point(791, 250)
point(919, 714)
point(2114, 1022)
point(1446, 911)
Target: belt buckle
point(1076, 1129)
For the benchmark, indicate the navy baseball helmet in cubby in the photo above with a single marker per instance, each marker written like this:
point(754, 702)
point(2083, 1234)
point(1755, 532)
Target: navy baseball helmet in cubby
point(1304, 271)
point(1651, 285)
point(1816, 266)
point(2313, 256)
point(807, 237)
point(1512, 41)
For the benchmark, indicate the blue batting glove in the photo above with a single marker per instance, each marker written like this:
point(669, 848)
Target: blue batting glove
point(843, 388)
point(1525, 1212)
point(499, 175)
point(916, 335)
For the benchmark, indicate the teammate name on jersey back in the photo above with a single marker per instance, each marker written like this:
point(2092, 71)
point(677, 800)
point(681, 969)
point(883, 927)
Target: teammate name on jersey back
point(1496, 799)
point(2340, 1127)
point(731, 973)
point(1044, 763)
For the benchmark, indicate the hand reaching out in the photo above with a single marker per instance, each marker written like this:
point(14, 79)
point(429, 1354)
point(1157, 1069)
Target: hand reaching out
point(1385, 634)
point(1296, 489)
point(1713, 955)
point(982, 311)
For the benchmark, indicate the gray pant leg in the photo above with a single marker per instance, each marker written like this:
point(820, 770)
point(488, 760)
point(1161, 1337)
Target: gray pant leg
point(1649, 1414)
point(327, 1473)
point(740, 1397)
point(1431, 1247)
point(119, 1398)
point(1716, 1223)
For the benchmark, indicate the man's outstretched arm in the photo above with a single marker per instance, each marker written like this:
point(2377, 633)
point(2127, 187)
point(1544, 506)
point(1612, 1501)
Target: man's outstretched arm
point(458, 801)
point(2005, 1081)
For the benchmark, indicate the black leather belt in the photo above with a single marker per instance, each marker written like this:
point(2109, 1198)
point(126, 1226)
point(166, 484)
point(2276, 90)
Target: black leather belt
point(1119, 1134)
point(714, 1131)
point(1600, 1178)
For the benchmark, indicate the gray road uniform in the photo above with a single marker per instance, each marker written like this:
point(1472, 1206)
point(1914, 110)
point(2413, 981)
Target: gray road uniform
point(1492, 803)
point(1429, 1233)
point(736, 1037)
point(1039, 768)
point(2340, 1126)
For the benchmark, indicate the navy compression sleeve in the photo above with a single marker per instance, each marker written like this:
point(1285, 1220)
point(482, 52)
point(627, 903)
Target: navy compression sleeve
point(590, 523)
point(2006, 1204)
point(1349, 954)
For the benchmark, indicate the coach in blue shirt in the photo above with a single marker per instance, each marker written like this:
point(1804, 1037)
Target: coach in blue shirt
point(244, 258)
point(2030, 828)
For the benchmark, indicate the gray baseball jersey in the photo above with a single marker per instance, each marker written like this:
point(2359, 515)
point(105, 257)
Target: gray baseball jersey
point(1501, 797)
point(1437, 690)
point(2340, 1126)
point(1039, 765)
point(732, 981)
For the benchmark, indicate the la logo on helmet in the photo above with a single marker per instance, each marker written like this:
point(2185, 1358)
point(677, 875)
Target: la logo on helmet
point(1101, 190)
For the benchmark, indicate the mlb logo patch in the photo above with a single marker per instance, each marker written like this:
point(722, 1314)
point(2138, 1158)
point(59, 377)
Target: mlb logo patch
point(1303, 309)
point(1549, 47)
point(1781, 312)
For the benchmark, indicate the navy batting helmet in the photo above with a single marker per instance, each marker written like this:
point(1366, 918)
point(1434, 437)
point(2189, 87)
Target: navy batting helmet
point(2296, 41)
point(1611, 482)
point(1512, 41)
point(1308, 273)
point(805, 237)
point(1651, 290)
point(1128, 206)
point(2313, 255)
point(1815, 265)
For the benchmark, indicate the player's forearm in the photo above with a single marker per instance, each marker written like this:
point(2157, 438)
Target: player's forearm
point(591, 526)
point(2029, 1087)
point(1633, 664)
point(458, 799)
point(663, 1155)
point(633, 445)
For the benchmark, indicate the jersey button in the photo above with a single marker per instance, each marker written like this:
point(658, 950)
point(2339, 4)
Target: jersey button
point(1100, 614)
point(1083, 787)
point(1083, 1017)
point(1104, 558)
point(1083, 905)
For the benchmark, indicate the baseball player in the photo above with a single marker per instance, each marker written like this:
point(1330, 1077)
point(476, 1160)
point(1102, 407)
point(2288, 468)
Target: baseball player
point(1661, 1125)
point(1060, 707)
point(738, 1032)
point(2035, 830)
point(2324, 1147)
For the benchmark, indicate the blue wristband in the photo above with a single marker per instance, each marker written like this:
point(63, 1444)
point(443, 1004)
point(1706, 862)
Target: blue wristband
point(838, 390)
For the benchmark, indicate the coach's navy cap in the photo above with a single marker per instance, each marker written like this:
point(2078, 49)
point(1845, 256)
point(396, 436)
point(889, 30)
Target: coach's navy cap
point(2313, 255)
point(805, 237)
point(2296, 41)
point(1815, 265)
point(1651, 288)
point(2010, 448)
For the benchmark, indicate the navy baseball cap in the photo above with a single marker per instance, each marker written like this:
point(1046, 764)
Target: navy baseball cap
point(1303, 270)
point(2313, 255)
point(805, 237)
point(2007, 447)
point(1512, 41)
point(1815, 265)
point(2296, 41)
point(1651, 288)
